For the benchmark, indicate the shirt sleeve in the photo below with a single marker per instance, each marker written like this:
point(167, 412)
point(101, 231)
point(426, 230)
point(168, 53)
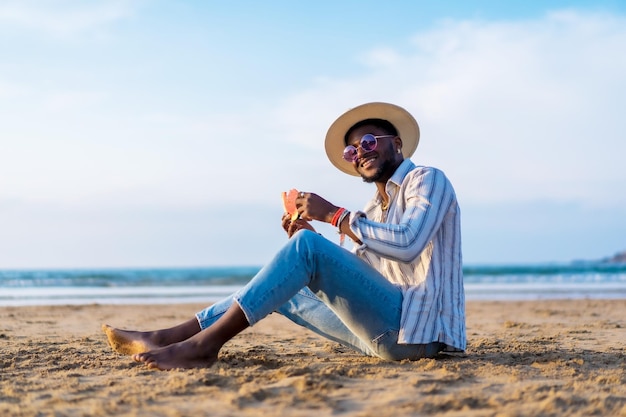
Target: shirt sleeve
point(423, 201)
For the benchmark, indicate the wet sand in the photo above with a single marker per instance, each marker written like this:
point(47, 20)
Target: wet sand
point(531, 358)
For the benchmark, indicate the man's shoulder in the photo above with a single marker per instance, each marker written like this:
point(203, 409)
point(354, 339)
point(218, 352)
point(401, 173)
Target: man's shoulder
point(424, 174)
point(418, 170)
point(409, 172)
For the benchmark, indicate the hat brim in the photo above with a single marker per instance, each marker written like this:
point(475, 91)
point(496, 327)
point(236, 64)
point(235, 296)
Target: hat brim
point(404, 122)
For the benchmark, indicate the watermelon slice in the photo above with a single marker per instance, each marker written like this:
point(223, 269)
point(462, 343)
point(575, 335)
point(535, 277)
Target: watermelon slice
point(289, 203)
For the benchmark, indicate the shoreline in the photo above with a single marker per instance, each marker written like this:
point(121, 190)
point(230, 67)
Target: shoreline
point(144, 295)
point(542, 357)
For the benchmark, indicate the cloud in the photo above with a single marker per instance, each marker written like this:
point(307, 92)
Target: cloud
point(10, 91)
point(63, 18)
point(68, 101)
point(525, 116)
point(512, 110)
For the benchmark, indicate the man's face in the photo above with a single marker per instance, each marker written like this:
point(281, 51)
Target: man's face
point(379, 164)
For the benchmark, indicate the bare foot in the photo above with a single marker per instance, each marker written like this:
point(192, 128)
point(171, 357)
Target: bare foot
point(128, 342)
point(178, 355)
point(185, 345)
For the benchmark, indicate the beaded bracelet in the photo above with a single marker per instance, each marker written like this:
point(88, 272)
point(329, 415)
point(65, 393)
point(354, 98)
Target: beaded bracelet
point(336, 216)
point(341, 217)
point(342, 236)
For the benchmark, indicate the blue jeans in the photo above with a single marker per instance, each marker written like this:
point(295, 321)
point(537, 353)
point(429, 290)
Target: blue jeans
point(329, 290)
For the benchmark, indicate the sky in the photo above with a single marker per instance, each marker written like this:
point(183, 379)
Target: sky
point(151, 133)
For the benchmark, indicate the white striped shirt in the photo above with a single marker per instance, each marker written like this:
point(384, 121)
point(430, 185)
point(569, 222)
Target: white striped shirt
point(416, 244)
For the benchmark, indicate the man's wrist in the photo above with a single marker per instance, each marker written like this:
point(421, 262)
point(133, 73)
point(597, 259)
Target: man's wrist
point(336, 216)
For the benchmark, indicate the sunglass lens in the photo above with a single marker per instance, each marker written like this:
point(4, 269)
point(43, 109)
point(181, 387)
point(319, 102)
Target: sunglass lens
point(349, 154)
point(368, 142)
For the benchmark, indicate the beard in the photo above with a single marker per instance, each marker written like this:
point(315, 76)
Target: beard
point(378, 174)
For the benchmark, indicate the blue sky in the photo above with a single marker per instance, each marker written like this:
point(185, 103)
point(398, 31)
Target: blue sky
point(158, 133)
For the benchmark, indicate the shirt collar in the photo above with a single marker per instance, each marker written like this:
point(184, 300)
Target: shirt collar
point(397, 177)
point(403, 169)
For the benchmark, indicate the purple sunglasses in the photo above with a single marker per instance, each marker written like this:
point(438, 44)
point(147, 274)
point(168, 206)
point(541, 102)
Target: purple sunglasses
point(368, 143)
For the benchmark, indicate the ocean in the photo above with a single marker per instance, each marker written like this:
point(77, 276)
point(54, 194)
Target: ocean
point(209, 284)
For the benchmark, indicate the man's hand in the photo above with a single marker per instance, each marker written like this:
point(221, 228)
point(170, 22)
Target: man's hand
point(292, 227)
point(313, 207)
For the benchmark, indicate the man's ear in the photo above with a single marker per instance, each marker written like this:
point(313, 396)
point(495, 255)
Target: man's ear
point(398, 141)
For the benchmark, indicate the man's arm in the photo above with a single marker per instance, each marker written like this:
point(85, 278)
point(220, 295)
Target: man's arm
point(428, 197)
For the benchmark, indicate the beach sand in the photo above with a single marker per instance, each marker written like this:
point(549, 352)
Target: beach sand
point(535, 358)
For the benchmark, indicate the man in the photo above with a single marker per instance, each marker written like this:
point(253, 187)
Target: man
point(399, 295)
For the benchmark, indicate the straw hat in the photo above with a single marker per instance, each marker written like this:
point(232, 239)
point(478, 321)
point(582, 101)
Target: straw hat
point(405, 124)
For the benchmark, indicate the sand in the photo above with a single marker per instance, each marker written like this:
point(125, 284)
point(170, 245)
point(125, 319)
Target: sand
point(538, 358)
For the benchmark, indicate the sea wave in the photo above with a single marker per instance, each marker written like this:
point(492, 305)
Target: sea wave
point(24, 296)
point(207, 285)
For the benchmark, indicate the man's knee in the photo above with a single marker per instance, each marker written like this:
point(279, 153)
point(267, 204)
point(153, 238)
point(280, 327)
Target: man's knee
point(305, 236)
